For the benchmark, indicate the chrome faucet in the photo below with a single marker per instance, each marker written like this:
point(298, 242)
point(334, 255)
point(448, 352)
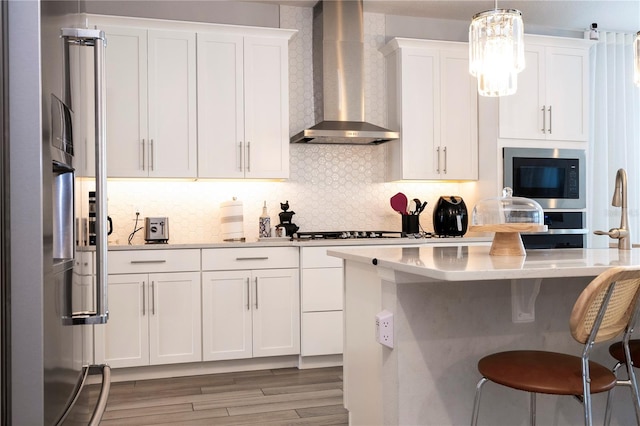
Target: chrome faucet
point(620, 200)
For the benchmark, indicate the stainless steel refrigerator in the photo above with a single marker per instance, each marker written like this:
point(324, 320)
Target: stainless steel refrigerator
point(50, 97)
point(75, 292)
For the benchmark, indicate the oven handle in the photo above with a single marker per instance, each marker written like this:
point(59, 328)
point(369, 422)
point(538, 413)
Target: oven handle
point(576, 231)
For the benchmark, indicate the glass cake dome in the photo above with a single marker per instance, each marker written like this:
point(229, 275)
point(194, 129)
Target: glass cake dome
point(507, 210)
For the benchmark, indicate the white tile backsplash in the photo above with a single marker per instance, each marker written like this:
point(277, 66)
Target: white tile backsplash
point(330, 187)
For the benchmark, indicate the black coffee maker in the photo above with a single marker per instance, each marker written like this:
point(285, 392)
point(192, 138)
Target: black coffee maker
point(450, 218)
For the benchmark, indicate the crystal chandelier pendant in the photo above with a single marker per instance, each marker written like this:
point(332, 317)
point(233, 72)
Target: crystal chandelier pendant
point(636, 60)
point(496, 51)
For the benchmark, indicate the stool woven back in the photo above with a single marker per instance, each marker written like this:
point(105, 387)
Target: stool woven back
point(618, 311)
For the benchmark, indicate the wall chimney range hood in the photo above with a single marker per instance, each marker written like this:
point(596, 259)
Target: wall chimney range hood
point(338, 83)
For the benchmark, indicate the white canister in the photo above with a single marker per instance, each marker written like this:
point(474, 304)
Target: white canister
point(232, 220)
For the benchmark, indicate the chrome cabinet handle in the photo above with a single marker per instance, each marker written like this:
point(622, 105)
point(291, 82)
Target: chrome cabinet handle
point(550, 115)
point(256, 292)
point(142, 157)
point(152, 163)
point(240, 156)
point(248, 156)
point(438, 155)
point(544, 119)
point(148, 261)
point(445, 160)
point(153, 297)
point(252, 258)
point(144, 299)
point(248, 293)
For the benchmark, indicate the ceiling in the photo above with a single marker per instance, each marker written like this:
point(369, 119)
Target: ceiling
point(610, 15)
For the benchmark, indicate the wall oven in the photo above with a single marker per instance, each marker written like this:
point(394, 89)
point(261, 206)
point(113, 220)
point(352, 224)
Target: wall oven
point(555, 178)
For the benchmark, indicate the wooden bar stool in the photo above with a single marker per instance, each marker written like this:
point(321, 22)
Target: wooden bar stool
point(617, 351)
point(605, 308)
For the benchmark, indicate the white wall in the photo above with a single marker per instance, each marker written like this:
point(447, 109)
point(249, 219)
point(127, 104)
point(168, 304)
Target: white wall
point(221, 12)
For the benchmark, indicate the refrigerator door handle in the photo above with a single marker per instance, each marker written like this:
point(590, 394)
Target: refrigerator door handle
point(101, 404)
point(102, 310)
point(96, 38)
point(105, 370)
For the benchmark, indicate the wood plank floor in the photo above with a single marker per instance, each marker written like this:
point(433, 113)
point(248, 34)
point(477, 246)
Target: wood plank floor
point(267, 397)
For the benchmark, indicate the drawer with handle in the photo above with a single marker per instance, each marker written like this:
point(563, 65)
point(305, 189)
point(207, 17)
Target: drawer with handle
point(249, 258)
point(135, 261)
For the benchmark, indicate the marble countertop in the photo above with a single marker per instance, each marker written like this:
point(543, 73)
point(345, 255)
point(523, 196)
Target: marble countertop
point(286, 242)
point(473, 263)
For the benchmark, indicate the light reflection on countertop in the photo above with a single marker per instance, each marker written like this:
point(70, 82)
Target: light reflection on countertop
point(474, 263)
point(287, 242)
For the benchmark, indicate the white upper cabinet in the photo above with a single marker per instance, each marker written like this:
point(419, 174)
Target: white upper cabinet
point(173, 140)
point(433, 103)
point(552, 99)
point(243, 104)
point(151, 102)
point(187, 100)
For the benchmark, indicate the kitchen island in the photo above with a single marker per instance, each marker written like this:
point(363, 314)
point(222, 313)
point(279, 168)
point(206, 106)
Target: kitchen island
point(451, 306)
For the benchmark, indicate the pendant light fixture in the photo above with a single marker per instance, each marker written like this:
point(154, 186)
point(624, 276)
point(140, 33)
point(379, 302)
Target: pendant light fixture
point(636, 60)
point(496, 50)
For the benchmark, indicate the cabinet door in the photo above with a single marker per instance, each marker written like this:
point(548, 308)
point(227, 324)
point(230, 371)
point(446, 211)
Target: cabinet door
point(276, 312)
point(220, 106)
point(126, 99)
point(226, 315)
point(172, 104)
point(521, 115)
point(566, 92)
point(322, 333)
point(420, 113)
point(124, 340)
point(266, 109)
point(322, 289)
point(174, 320)
point(458, 116)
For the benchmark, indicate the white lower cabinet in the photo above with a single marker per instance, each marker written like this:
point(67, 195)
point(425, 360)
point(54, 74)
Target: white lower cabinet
point(154, 318)
point(321, 302)
point(250, 303)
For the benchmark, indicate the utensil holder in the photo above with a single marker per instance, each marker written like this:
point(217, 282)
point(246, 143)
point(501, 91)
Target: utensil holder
point(410, 223)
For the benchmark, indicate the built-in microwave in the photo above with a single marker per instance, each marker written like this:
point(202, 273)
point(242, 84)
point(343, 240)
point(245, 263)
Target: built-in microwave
point(555, 178)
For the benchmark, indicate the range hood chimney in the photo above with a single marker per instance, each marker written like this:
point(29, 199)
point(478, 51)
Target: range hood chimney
point(338, 83)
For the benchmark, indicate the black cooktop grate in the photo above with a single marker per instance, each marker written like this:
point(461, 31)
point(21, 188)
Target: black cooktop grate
point(343, 235)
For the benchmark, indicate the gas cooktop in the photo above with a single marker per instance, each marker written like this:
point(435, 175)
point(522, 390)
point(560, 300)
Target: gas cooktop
point(337, 235)
point(343, 235)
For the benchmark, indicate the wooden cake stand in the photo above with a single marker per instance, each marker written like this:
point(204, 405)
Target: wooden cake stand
point(507, 240)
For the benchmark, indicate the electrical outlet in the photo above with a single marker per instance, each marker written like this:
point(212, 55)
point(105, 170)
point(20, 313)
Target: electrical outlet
point(384, 328)
point(137, 210)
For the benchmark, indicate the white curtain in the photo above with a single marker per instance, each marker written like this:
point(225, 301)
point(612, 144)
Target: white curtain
point(615, 136)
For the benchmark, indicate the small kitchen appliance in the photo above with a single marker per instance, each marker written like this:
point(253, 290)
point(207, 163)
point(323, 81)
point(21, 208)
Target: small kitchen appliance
point(450, 217)
point(156, 229)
